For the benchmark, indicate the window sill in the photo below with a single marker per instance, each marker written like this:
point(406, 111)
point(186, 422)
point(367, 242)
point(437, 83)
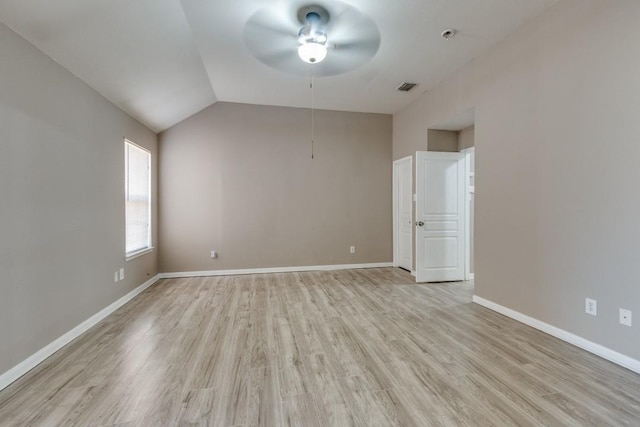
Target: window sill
point(139, 253)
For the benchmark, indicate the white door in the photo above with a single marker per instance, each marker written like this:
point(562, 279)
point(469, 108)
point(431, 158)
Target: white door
point(402, 213)
point(440, 216)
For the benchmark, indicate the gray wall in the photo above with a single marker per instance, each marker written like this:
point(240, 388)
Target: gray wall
point(62, 208)
point(442, 140)
point(466, 138)
point(239, 179)
point(557, 148)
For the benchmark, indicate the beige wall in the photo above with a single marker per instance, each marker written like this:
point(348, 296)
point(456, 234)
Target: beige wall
point(466, 138)
point(442, 140)
point(239, 179)
point(62, 206)
point(557, 149)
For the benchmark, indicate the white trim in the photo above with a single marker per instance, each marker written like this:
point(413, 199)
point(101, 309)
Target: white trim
point(139, 253)
point(469, 189)
point(583, 343)
point(471, 276)
point(394, 213)
point(413, 273)
point(38, 357)
point(396, 206)
point(272, 270)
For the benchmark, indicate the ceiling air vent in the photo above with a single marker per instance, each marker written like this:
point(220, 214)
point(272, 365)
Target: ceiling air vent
point(406, 87)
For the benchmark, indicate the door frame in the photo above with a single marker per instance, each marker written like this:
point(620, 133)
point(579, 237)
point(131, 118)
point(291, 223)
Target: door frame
point(396, 207)
point(469, 189)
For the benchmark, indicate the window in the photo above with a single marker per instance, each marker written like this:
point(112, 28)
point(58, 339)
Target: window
point(138, 199)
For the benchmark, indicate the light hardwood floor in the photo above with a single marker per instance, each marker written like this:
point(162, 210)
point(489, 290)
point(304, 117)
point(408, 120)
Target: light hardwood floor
point(353, 347)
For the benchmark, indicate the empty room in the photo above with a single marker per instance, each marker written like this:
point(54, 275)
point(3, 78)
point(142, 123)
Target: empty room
point(248, 213)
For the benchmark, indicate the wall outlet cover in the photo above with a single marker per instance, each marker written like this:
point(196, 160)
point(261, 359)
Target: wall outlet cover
point(591, 306)
point(625, 317)
point(122, 274)
point(115, 277)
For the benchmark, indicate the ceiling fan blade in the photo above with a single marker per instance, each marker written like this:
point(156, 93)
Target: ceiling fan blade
point(366, 45)
point(270, 29)
point(349, 24)
point(285, 60)
point(278, 56)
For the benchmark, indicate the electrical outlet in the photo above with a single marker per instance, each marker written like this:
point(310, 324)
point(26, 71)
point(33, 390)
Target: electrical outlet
point(122, 274)
point(591, 306)
point(625, 317)
point(214, 254)
point(115, 277)
point(352, 249)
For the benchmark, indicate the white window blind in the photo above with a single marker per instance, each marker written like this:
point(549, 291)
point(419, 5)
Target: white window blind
point(138, 198)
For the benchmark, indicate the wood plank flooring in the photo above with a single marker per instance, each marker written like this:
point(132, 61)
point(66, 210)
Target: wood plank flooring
point(338, 348)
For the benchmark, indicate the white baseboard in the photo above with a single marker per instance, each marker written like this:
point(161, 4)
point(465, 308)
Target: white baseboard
point(413, 273)
point(273, 270)
point(38, 357)
point(597, 349)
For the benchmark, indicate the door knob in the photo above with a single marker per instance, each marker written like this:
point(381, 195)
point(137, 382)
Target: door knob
point(420, 223)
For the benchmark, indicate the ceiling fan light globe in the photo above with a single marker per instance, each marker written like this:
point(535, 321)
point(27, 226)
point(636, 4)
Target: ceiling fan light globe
point(321, 37)
point(310, 34)
point(312, 53)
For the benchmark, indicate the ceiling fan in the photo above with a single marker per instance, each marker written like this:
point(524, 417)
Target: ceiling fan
point(330, 38)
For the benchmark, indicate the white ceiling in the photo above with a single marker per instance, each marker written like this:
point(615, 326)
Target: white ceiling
point(164, 60)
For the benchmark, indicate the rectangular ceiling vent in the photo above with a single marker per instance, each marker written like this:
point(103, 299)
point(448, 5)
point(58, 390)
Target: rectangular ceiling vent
point(406, 87)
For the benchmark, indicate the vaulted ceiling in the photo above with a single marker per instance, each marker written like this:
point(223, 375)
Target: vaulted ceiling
point(163, 60)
